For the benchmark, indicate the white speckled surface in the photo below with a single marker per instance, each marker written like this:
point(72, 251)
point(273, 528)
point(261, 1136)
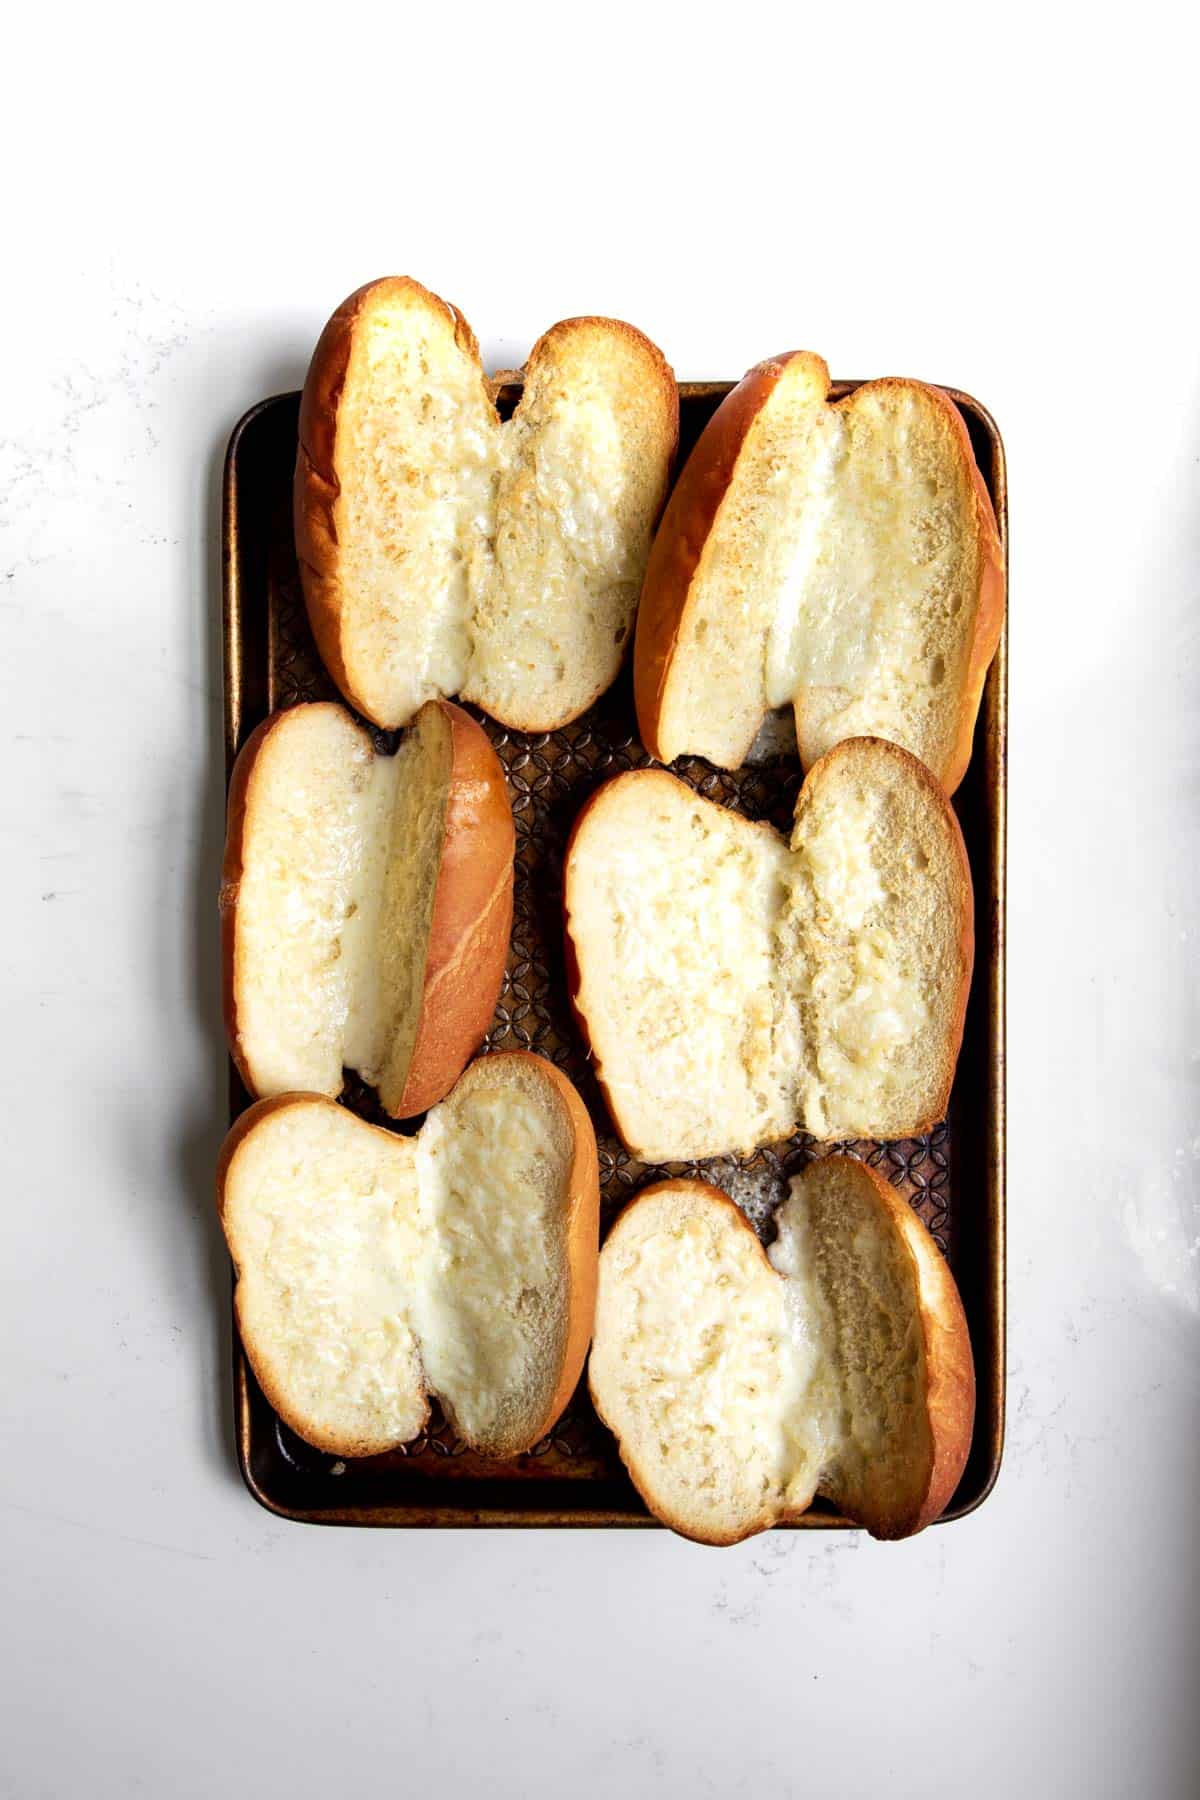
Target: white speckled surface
point(1004, 206)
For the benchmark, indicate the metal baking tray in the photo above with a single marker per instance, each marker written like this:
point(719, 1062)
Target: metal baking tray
point(954, 1177)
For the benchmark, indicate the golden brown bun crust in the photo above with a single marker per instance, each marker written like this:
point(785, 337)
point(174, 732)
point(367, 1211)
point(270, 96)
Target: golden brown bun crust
point(681, 537)
point(316, 488)
point(335, 1444)
point(472, 917)
point(949, 1367)
point(241, 782)
point(693, 507)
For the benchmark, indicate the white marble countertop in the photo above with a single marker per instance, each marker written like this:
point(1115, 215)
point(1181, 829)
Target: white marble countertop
point(1007, 208)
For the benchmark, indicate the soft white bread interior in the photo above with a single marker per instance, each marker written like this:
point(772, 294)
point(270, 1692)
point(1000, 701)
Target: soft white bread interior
point(734, 988)
point(443, 551)
point(374, 1270)
point(322, 1218)
point(739, 1385)
point(842, 558)
point(366, 903)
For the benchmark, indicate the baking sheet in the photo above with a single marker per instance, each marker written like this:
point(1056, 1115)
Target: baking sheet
point(954, 1177)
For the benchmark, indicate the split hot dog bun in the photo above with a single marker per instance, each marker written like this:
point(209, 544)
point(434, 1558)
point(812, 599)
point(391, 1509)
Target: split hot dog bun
point(734, 988)
point(739, 1384)
point(375, 1270)
point(444, 552)
point(841, 558)
point(366, 904)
